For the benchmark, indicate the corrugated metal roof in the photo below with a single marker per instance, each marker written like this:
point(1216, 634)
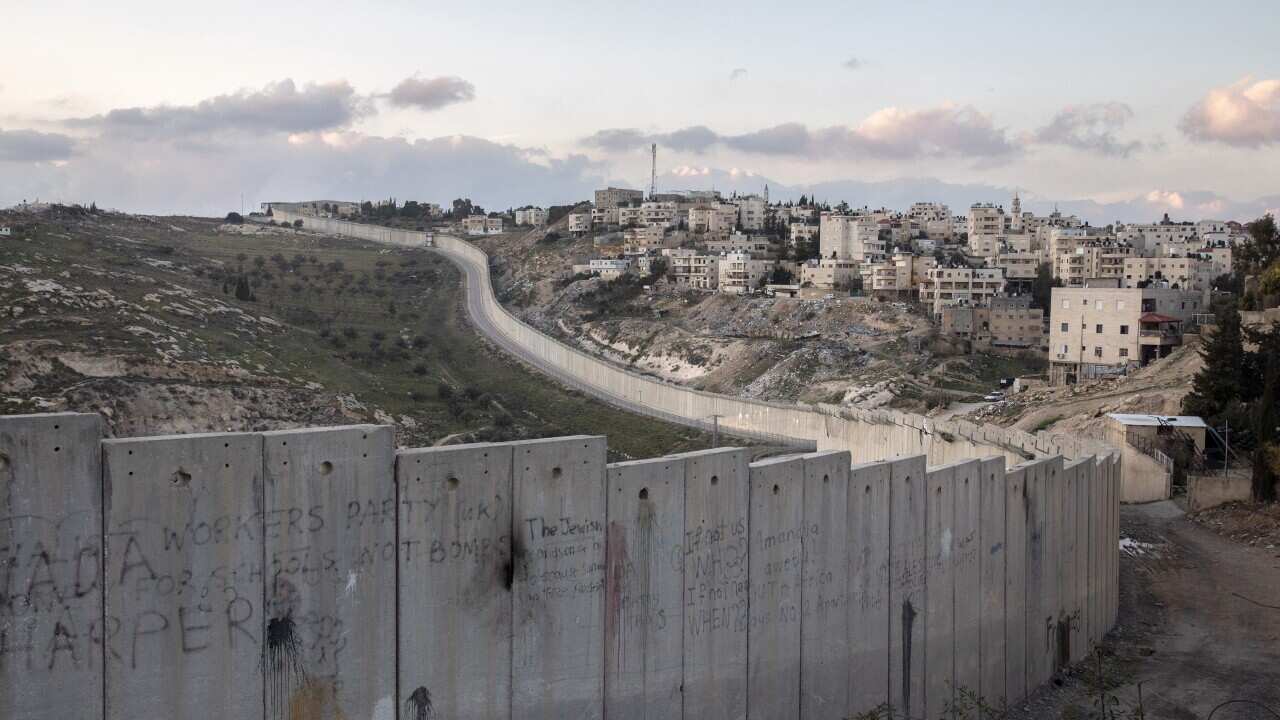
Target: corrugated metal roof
point(1152, 420)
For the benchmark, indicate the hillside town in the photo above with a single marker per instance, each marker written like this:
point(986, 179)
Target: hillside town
point(1096, 301)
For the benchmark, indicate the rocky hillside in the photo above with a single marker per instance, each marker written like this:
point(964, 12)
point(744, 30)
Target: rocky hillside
point(850, 351)
point(182, 324)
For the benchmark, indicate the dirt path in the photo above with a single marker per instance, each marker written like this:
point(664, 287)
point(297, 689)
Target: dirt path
point(1217, 641)
point(1195, 629)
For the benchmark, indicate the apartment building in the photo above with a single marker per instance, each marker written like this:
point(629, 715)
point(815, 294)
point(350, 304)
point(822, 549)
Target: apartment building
point(829, 274)
point(1007, 322)
point(690, 268)
point(850, 237)
point(610, 268)
point(947, 286)
point(603, 217)
point(1179, 273)
point(477, 225)
point(531, 216)
point(741, 274)
point(579, 223)
point(985, 219)
point(924, 212)
point(986, 245)
point(717, 218)
point(1092, 260)
point(751, 211)
point(1104, 331)
point(740, 242)
point(616, 197)
point(1151, 239)
point(802, 232)
point(897, 276)
point(643, 238)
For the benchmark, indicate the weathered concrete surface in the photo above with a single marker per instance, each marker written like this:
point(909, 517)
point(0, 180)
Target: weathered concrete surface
point(1080, 557)
point(330, 531)
point(826, 641)
point(776, 551)
point(716, 563)
point(871, 617)
point(907, 598)
point(1015, 598)
point(991, 560)
point(967, 576)
point(558, 601)
point(940, 573)
point(50, 566)
point(1051, 604)
point(185, 622)
point(455, 581)
point(644, 590)
point(1039, 617)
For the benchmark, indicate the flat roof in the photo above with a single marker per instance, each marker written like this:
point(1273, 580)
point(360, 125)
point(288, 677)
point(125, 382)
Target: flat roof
point(1153, 420)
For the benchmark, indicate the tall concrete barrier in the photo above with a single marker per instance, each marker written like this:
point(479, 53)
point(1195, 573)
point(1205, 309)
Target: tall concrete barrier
point(185, 624)
point(320, 574)
point(867, 434)
point(51, 626)
point(330, 533)
point(454, 587)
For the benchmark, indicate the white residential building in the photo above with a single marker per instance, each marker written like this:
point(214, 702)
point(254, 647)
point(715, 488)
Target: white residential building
point(800, 231)
point(829, 274)
point(1103, 331)
point(741, 274)
point(975, 286)
point(717, 218)
point(690, 268)
point(579, 222)
point(614, 197)
point(897, 276)
point(850, 237)
point(609, 268)
point(751, 212)
point(536, 217)
point(1179, 273)
point(985, 219)
point(740, 242)
point(601, 217)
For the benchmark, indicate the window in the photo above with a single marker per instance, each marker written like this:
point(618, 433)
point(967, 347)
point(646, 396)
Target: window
point(1066, 327)
point(1097, 305)
point(1064, 349)
point(1066, 304)
point(1124, 330)
point(1124, 352)
point(1097, 352)
point(1097, 329)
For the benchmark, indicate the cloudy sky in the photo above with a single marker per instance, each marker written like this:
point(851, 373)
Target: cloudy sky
point(1116, 108)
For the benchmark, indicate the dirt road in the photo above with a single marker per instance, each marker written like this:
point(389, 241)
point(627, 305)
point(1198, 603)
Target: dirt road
point(1199, 626)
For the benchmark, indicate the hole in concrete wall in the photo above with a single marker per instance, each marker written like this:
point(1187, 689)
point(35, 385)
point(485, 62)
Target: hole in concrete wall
point(867, 490)
point(826, 478)
point(556, 473)
point(326, 467)
point(715, 479)
point(57, 426)
point(775, 489)
point(284, 442)
point(4, 462)
point(644, 493)
point(453, 482)
point(180, 478)
point(57, 448)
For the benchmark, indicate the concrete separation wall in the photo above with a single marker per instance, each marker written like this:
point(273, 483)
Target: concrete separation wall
point(321, 574)
point(867, 434)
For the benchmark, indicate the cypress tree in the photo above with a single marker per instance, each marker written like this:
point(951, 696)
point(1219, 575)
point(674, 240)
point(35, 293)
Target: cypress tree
point(1220, 381)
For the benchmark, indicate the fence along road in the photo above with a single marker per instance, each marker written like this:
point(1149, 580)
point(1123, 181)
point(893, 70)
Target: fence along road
point(869, 435)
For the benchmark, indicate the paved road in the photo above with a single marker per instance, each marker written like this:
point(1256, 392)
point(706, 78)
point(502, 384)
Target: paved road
point(474, 272)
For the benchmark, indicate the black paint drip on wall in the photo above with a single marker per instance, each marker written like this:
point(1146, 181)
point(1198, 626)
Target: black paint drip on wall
point(283, 663)
point(418, 706)
point(908, 620)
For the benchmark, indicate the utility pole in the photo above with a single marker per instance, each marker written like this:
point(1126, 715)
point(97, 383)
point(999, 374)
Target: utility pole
point(715, 431)
point(1226, 455)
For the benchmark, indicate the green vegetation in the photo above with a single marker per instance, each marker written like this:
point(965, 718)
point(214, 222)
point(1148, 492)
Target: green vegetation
point(385, 325)
point(1240, 381)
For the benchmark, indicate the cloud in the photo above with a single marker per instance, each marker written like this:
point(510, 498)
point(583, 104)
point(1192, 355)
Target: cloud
point(737, 73)
point(431, 93)
point(279, 107)
point(1244, 114)
point(853, 63)
point(179, 177)
point(1091, 128)
point(891, 133)
point(1168, 198)
point(30, 146)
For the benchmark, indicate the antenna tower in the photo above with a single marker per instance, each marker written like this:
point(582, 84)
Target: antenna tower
point(653, 170)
